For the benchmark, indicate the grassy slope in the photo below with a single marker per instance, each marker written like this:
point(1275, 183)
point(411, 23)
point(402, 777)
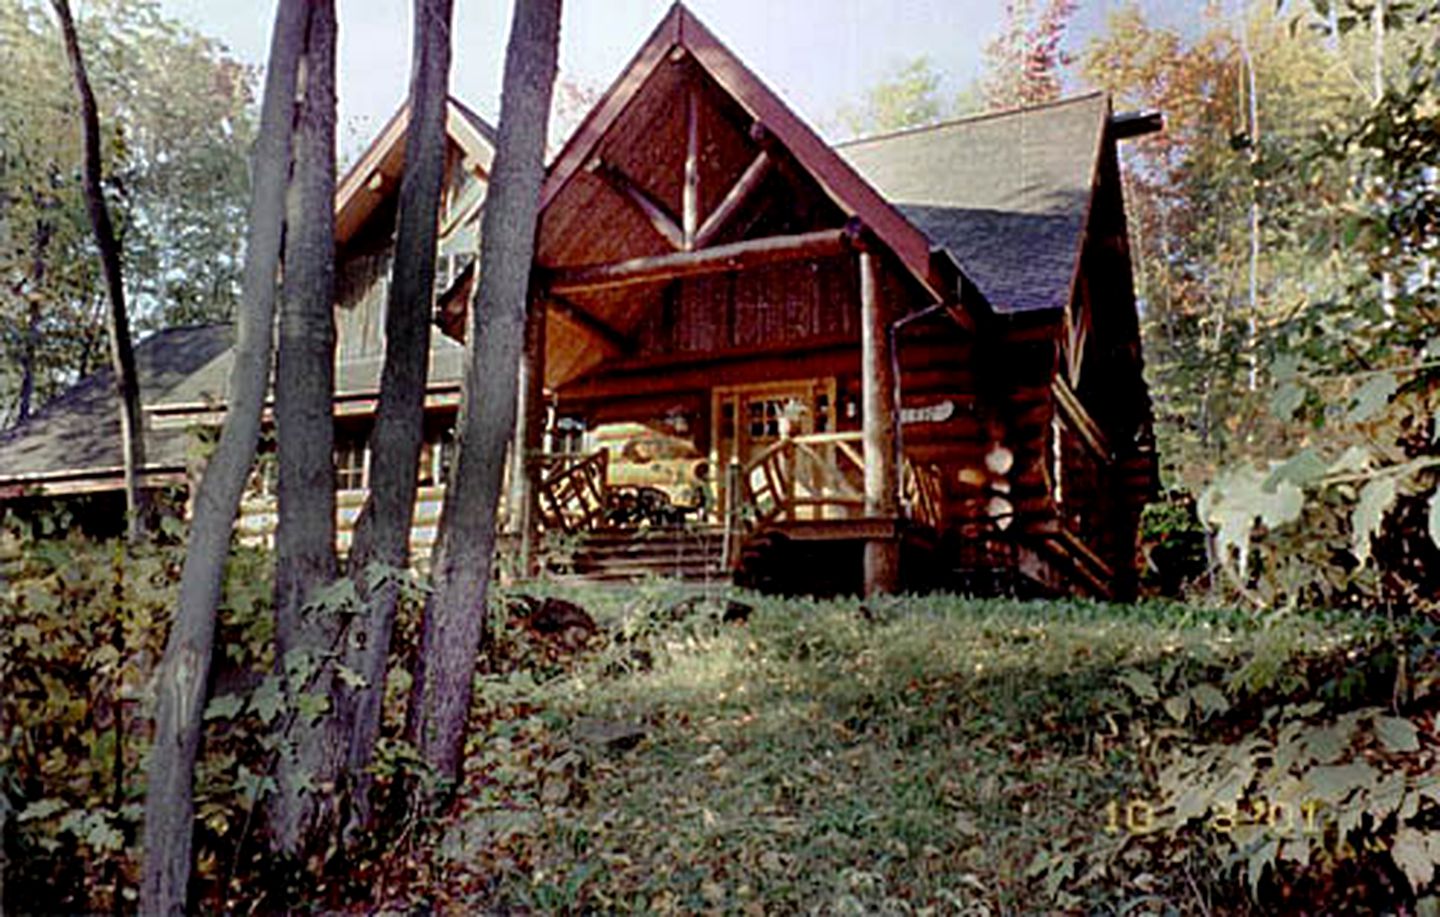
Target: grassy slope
point(931, 753)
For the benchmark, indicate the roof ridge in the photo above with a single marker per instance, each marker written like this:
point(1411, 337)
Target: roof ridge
point(969, 119)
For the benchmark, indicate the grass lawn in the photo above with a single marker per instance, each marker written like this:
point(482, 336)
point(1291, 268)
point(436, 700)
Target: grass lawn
point(915, 755)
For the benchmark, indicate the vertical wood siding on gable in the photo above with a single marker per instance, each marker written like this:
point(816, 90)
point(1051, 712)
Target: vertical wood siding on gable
point(362, 287)
point(775, 305)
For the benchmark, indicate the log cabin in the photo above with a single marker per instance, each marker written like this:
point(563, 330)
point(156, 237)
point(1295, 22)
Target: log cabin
point(904, 362)
point(909, 361)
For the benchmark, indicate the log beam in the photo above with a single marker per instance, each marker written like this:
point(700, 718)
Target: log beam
point(583, 317)
point(690, 198)
point(656, 214)
point(877, 398)
point(721, 259)
point(744, 187)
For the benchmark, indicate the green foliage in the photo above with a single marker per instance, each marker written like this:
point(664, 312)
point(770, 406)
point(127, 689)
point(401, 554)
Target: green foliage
point(1316, 790)
point(908, 97)
point(174, 112)
point(82, 625)
point(79, 626)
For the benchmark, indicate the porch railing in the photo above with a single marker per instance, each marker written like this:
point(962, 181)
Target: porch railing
point(572, 491)
point(821, 476)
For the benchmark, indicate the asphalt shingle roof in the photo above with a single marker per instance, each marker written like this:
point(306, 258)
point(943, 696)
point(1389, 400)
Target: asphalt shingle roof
point(1006, 194)
point(358, 376)
point(79, 429)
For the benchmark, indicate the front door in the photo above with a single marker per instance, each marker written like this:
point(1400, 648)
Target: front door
point(748, 419)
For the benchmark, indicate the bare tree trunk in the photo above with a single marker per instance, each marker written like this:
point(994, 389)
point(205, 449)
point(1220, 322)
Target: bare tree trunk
point(39, 241)
point(455, 612)
point(305, 446)
point(382, 533)
point(185, 669)
point(122, 354)
point(1252, 118)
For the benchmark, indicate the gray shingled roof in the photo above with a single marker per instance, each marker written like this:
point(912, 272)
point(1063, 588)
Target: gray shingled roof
point(79, 430)
point(360, 376)
point(1006, 194)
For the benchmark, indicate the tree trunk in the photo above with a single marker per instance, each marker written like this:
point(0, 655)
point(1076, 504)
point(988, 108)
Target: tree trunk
point(382, 533)
point(455, 612)
point(185, 668)
point(39, 241)
point(305, 449)
point(122, 355)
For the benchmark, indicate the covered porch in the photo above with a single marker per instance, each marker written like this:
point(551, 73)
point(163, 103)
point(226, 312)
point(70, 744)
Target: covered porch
point(713, 275)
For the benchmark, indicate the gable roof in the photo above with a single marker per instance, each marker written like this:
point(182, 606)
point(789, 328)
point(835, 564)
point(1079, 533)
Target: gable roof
point(680, 29)
point(355, 378)
point(377, 172)
point(1006, 194)
point(78, 432)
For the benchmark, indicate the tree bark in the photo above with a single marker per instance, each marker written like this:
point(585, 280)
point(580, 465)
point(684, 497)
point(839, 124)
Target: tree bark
point(382, 533)
point(39, 241)
point(185, 668)
point(305, 450)
point(122, 354)
point(455, 612)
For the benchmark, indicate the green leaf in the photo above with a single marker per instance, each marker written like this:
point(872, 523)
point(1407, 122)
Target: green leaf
point(224, 707)
point(269, 699)
point(1397, 734)
point(1142, 684)
point(1354, 460)
point(1178, 707)
point(1332, 784)
point(1372, 396)
point(1417, 853)
point(311, 707)
point(1209, 699)
point(41, 809)
point(104, 836)
point(1286, 400)
point(1376, 498)
point(1302, 469)
point(352, 679)
point(1237, 497)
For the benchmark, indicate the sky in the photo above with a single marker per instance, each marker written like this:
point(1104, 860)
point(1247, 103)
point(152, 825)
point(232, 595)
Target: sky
point(817, 54)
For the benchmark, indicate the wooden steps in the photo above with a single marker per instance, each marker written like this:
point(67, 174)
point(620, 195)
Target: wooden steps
point(691, 553)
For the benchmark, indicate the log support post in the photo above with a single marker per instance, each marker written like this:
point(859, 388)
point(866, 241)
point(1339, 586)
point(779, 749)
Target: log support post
point(877, 401)
point(530, 439)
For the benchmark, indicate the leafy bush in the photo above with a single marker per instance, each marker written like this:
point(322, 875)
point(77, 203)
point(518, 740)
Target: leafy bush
point(82, 627)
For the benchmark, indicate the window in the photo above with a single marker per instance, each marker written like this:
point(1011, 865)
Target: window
point(436, 455)
point(568, 436)
point(763, 418)
point(350, 463)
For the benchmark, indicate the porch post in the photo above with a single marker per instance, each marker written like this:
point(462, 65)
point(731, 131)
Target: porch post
point(877, 405)
point(529, 437)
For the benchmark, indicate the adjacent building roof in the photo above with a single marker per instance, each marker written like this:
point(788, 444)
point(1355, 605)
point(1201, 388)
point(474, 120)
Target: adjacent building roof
point(354, 378)
point(1006, 194)
point(79, 430)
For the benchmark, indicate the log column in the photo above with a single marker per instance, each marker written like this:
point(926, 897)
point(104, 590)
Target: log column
point(877, 405)
point(530, 437)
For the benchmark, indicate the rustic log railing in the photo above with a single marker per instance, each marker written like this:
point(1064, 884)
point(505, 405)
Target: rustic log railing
point(922, 493)
point(806, 477)
point(820, 476)
point(572, 491)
